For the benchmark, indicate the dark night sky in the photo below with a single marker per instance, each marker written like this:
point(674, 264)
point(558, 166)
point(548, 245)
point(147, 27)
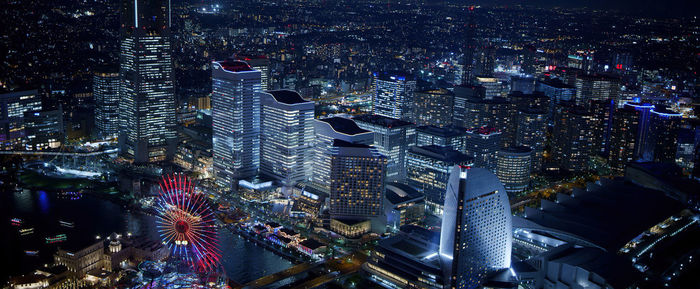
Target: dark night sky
point(642, 7)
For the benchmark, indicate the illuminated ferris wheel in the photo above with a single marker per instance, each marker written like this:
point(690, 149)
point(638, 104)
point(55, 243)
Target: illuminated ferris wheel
point(186, 223)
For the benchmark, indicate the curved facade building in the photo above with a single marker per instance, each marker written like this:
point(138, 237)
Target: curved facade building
point(513, 168)
point(476, 236)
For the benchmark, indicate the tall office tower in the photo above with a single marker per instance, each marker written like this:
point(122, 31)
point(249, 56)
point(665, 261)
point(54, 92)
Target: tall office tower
point(492, 86)
point(482, 143)
point(557, 91)
point(497, 113)
point(531, 131)
point(529, 60)
point(13, 105)
point(513, 168)
point(449, 136)
point(393, 96)
point(356, 181)
point(485, 62)
point(286, 136)
point(596, 87)
point(463, 94)
point(601, 111)
point(428, 169)
point(326, 131)
point(469, 49)
point(476, 232)
point(524, 84)
point(261, 63)
point(662, 144)
point(572, 140)
point(105, 90)
point(392, 137)
point(44, 129)
point(147, 104)
point(235, 105)
point(630, 126)
point(433, 107)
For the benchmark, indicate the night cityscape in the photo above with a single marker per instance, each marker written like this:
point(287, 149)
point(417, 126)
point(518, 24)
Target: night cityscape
point(341, 144)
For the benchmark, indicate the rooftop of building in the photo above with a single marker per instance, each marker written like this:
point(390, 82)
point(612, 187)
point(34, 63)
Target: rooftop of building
point(441, 91)
point(484, 130)
point(385, 121)
point(556, 83)
point(446, 131)
point(517, 150)
point(287, 96)
point(234, 65)
point(311, 244)
point(417, 244)
point(394, 75)
point(605, 215)
point(615, 269)
point(444, 154)
point(398, 193)
point(344, 125)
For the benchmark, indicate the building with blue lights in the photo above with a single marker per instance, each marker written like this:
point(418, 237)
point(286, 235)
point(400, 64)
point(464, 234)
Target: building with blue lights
point(147, 105)
point(236, 121)
point(629, 133)
point(476, 233)
point(393, 96)
point(286, 136)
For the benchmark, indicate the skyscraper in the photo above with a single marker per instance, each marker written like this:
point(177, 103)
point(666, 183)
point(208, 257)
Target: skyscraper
point(572, 140)
point(433, 107)
point(531, 131)
point(106, 91)
point(44, 129)
point(628, 135)
point(286, 136)
point(596, 87)
point(492, 86)
point(497, 113)
point(236, 121)
point(261, 63)
point(356, 181)
point(147, 105)
point(13, 105)
point(326, 131)
point(449, 136)
point(476, 233)
point(428, 169)
point(392, 137)
point(664, 127)
point(393, 94)
point(482, 143)
point(513, 169)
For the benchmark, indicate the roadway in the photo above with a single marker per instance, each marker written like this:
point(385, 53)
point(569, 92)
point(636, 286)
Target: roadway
point(42, 153)
point(281, 275)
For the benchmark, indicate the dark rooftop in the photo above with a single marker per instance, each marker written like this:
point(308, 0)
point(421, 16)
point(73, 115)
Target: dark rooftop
point(517, 149)
point(444, 154)
point(447, 131)
point(607, 215)
point(398, 193)
point(484, 130)
point(344, 125)
point(287, 96)
point(311, 244)
point(387, 75)
point(381, 120)
point(346, 144)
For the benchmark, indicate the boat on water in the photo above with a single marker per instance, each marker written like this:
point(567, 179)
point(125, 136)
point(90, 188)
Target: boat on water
point(56, 239)
point(27, 231)
point(32, 252)
point(66, 224)
point(16, 221)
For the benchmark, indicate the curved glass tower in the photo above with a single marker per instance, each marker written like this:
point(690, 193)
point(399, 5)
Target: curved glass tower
point(476, 231)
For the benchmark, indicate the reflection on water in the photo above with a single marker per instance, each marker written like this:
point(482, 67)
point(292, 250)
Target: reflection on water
point(242, 260)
